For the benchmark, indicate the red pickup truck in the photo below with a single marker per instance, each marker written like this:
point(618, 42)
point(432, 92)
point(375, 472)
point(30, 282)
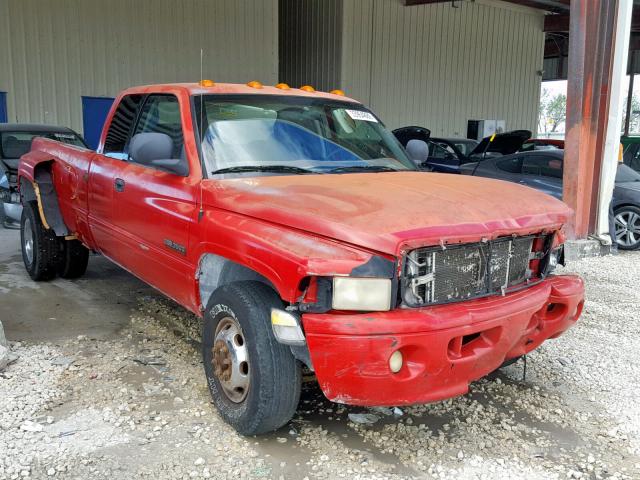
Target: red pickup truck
point(294, 223)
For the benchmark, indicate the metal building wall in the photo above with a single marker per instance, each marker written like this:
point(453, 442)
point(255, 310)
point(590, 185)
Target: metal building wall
point(438, 66)
point(52, 52)
point(309, 43)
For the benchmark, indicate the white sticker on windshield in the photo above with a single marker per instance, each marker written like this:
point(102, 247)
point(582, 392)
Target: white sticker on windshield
point(360, 115)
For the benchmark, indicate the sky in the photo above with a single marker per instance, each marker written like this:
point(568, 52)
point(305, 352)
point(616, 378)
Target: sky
point(560, 86)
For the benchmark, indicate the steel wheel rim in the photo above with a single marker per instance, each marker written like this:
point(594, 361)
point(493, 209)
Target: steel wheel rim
point(28, 241)
point(627, 228)
point(230, 359)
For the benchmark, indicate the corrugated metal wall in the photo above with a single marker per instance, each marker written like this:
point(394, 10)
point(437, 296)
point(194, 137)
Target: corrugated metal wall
point(438, 66)
point(309, 43)
point(52, 52)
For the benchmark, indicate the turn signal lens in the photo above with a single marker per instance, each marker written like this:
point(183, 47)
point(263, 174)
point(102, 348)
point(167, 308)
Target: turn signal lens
point(286, 327)
point(337, 92)
point(307, 88)
point(254, 84)
point(283, 86)
point(207, 83)
point(395, 361)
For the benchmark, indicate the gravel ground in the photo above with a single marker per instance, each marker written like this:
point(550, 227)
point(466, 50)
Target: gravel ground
point(134, 404)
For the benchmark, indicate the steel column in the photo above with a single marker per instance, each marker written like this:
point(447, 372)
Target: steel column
point(592, 44)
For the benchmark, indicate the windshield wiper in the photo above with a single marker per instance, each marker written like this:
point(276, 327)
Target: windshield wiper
point(363, 168)
point(264, 168)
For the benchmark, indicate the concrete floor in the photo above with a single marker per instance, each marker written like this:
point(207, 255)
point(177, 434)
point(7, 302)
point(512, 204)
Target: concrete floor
point(84, 376)
point(96, 305)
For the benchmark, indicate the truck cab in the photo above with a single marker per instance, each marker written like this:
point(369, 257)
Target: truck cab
point(293, 222)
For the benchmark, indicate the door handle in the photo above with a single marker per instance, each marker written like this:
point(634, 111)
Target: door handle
point(119, 185)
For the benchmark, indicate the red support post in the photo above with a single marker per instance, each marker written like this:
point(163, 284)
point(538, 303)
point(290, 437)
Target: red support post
point(591, 35)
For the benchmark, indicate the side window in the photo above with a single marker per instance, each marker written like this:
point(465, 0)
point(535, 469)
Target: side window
point(440, 150)
point(510, 165)
point(161, 114)
point(543, 166)
point(121, 126)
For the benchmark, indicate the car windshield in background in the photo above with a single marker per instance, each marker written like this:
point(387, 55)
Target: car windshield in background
point(465, 147)
point(16, 144)
point(293, 135)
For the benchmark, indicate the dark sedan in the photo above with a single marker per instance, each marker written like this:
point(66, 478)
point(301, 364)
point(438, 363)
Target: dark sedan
point(542, 170)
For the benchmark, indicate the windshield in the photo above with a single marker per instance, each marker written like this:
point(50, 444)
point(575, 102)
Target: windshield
point(16, 144)
point(286, 134)
point(465, 146)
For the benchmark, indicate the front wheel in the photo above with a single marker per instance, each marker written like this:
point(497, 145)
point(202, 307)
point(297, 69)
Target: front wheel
point(254, 380)
point(627, 227)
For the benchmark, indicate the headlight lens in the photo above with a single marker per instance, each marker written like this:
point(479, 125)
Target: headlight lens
point(372, 294)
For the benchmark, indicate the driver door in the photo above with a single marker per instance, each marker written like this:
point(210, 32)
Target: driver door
point(157, 209)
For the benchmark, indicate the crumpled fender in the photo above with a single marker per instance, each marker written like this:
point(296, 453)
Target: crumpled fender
point(283, 255)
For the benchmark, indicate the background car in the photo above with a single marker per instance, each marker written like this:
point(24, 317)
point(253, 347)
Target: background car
point(542, 144)
point(542, 170)
point(447, 154)
point(15, 141)
point(631, 156)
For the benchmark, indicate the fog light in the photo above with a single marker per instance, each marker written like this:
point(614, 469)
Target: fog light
point(395, 361)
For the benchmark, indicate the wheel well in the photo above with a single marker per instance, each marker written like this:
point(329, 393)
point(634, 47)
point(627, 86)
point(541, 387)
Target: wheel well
point(622, 205)
point(215, 271)
point(43, 191)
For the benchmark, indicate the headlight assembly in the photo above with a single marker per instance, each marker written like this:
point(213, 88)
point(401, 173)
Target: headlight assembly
point(371, 294)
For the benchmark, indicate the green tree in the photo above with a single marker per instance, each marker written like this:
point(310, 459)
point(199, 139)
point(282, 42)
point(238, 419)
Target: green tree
point(553, 111)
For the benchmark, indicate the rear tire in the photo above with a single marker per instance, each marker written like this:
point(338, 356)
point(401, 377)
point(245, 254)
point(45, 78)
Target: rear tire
point(40, 247)
point(74, 259)
point(261, 393)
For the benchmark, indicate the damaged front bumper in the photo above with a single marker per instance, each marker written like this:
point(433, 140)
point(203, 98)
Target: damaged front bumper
point(443, 348)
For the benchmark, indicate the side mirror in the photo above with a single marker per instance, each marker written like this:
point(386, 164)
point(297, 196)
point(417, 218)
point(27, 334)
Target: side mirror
point(418, 151)
point(155, 150)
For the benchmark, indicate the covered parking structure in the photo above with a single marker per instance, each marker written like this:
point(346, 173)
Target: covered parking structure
point(435, 63)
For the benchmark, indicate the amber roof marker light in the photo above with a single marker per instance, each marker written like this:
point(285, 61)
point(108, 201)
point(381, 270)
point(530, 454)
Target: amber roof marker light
point(283, 86)
point(207, 83)
point(307, 88)
point(254, 84)
point(337, 91)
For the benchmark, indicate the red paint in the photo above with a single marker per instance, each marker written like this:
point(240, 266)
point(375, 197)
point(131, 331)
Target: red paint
point(351, 352)
point(291, 228)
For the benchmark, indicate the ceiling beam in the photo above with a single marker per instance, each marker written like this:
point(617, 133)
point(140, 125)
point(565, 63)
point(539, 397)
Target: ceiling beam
point(560, 23)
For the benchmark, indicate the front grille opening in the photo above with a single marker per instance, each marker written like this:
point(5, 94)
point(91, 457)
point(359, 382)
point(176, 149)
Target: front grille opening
point(440, 275)
point(469, 338)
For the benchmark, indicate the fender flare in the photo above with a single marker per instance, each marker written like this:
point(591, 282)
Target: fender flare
point(214, 271)
point(40, 189)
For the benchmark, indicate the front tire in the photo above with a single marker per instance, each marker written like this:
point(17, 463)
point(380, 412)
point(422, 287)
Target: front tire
point(627, 227)
point(40, 247)
point(254, 380)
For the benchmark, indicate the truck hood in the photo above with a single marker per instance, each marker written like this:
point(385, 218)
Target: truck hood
point(388, 212)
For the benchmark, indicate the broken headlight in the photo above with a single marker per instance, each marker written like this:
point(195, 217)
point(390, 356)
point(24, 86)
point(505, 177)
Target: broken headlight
point(556, 257)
